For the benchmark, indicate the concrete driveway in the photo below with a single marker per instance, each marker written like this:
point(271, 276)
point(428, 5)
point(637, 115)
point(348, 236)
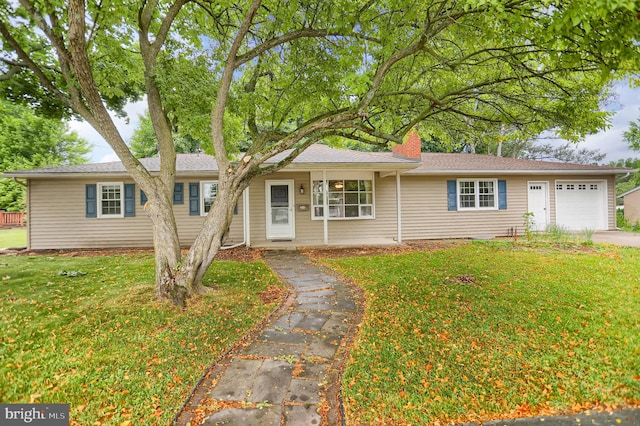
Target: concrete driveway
point(628, 239)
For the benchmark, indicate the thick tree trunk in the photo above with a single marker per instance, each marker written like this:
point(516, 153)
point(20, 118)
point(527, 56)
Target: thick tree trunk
point(180, 277)
point(167, 249)
point(208, 242)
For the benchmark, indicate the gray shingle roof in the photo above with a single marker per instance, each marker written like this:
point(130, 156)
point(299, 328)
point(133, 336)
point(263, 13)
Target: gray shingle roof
point(441, 163)
point(318, 156)
point(184, 162)
point(204, 163)
point(322, 154)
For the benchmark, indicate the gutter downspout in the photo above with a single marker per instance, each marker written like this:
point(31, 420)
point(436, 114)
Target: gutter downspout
point(398, 208)
point(15, 179)
point(245, 223)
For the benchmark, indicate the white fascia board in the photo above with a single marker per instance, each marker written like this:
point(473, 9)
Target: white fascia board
point(628, 192)
point(517, 172)
point(101, 175)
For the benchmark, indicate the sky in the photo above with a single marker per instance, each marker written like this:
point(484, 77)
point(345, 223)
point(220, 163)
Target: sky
point(625, 105)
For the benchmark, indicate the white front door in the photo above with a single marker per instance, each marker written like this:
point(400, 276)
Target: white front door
point(538, 204)
point(280, 211)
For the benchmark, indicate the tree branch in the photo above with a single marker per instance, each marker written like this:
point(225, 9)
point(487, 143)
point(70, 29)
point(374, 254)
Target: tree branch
point(44, 80)
point(99, 116)
point(165, 26)
point(294, 35)
point(217, 114)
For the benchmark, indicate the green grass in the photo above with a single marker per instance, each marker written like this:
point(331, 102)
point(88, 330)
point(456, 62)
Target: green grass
point(486, 331)
point(101, 343)
point(14, 237)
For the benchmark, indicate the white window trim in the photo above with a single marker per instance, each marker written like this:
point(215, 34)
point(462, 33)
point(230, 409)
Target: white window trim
point(201, 201)
point(317, 176)
point(496, 202)
point(99, 186)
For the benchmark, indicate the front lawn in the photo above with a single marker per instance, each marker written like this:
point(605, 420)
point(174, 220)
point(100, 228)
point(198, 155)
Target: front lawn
point(486, 331)
point(101, 343)
point(13, 238)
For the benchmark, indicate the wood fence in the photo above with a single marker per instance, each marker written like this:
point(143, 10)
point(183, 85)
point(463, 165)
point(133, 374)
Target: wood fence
point(10, 219)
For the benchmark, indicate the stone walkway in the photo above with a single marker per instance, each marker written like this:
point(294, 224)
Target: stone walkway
point(289, 374)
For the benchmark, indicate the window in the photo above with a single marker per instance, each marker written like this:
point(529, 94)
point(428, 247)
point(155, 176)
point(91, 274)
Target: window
point(477, 194)
point(593, 187)
point(209, 190)
point(110, 199)
point(346, 198)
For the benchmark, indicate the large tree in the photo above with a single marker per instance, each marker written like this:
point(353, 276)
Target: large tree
point(280, 76)
point(30, 141)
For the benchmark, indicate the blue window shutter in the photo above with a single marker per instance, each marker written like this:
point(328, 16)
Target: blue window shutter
point(91, 200)
point(129, 200)
point(452, 197)
point(143, 198)
point(178, 193)
point(235, 209)
point(502, 194)
point(194, 199)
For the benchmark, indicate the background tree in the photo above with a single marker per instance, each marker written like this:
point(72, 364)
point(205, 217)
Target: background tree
point(566, 153)
point(632, 135)
point(144, 144)
point(281, 76)
point(29, 141)
point(632, 180)
point(629, 181)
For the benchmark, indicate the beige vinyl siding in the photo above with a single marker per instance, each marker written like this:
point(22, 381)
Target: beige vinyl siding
point(611, 200)
point(632, 207)
point(57, 214)
point(57, 219)
point(310, 232)
point(425, 214)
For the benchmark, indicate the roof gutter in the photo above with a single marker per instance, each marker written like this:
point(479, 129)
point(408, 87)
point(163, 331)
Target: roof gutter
point(518, 172)
point(110, 175)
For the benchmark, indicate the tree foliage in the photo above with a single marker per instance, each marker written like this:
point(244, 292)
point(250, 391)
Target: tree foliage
point(144, 144)
point(566, 152)
point(632, 135)
point(29, 141)
point(279, 76)
point(629, 181)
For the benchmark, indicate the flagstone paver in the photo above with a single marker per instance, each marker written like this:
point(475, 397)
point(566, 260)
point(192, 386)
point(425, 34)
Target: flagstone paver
point(280, 376)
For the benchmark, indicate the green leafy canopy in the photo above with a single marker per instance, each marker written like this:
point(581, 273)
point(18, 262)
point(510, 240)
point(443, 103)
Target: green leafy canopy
point(28, 141)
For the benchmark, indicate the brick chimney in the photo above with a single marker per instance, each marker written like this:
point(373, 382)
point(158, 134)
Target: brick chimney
point(410, 148)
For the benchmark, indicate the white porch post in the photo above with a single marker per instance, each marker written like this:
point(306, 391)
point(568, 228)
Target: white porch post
point(325, 207)
point(398, 207)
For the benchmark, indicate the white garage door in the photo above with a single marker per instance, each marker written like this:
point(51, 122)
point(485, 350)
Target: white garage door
point(581, 205)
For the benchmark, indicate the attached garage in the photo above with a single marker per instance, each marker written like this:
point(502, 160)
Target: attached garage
point(581, 204)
